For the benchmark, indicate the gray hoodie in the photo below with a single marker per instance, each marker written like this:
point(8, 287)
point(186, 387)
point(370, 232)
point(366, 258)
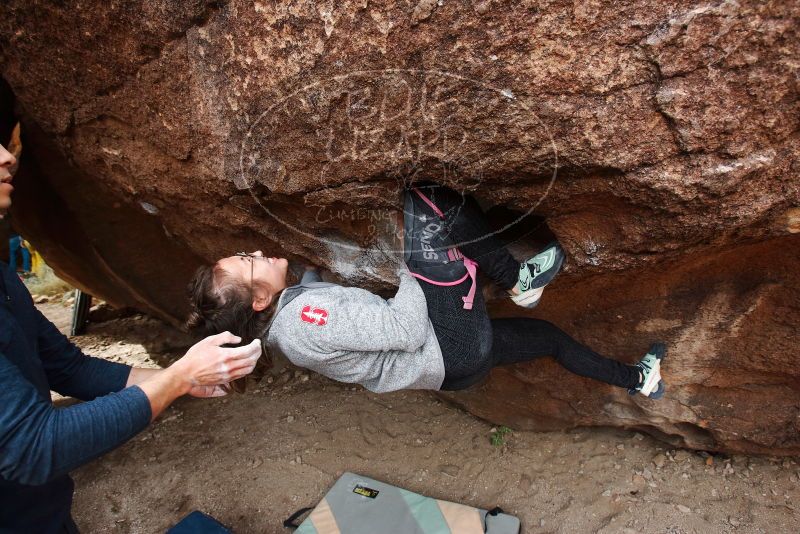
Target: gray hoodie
point(351, 335)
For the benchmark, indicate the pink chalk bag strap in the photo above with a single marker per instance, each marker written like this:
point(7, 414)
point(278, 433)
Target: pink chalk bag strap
point(455, 255)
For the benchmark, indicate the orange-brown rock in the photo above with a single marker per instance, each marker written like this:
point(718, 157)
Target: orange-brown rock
point(658, 141)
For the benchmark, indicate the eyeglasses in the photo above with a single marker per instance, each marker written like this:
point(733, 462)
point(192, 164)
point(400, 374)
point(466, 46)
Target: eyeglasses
point(251, 257)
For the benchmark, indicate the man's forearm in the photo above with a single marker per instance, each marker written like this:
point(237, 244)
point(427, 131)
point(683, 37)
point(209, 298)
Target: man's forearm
point(161, 386)
point(140, 374)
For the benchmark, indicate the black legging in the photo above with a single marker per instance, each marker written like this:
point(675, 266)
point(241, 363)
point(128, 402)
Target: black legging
point(471, 343)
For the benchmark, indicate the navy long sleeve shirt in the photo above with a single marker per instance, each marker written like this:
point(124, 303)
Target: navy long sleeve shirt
point(40, 444)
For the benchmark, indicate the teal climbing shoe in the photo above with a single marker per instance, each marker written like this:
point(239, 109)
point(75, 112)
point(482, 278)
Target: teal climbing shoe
point(536, 273)
point(651, 385)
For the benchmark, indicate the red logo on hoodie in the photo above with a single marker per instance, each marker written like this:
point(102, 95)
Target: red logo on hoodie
point(316, 316)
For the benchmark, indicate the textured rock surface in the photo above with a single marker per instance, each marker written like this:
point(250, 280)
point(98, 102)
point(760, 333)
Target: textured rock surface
point(659, 141)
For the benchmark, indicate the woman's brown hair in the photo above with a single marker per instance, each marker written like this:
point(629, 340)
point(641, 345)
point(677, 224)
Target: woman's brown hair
point(221, 303)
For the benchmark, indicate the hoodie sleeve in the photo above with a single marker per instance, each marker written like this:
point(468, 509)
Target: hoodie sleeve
point(400, 323)
point(72, 373)
point(39, 442)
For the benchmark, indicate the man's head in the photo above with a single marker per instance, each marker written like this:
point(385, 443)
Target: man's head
point(7, 161)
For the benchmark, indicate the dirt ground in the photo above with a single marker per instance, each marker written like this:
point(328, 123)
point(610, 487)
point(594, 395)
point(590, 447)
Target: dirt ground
point(251, 460)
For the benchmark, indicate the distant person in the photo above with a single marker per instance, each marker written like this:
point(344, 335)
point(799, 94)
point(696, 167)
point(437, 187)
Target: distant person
point(16, 247)
point(37, 263)
point(429, 336)
point(40, 444)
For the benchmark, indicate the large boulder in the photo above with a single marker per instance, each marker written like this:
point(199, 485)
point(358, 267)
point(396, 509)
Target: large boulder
point(658, 141)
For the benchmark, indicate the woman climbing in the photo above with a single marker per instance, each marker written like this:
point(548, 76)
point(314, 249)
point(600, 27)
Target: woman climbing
point(434, 334)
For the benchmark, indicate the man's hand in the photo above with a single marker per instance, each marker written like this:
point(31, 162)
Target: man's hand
point(140, 374)
point(208, 363)
point(202, 371)
point(206, 392)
